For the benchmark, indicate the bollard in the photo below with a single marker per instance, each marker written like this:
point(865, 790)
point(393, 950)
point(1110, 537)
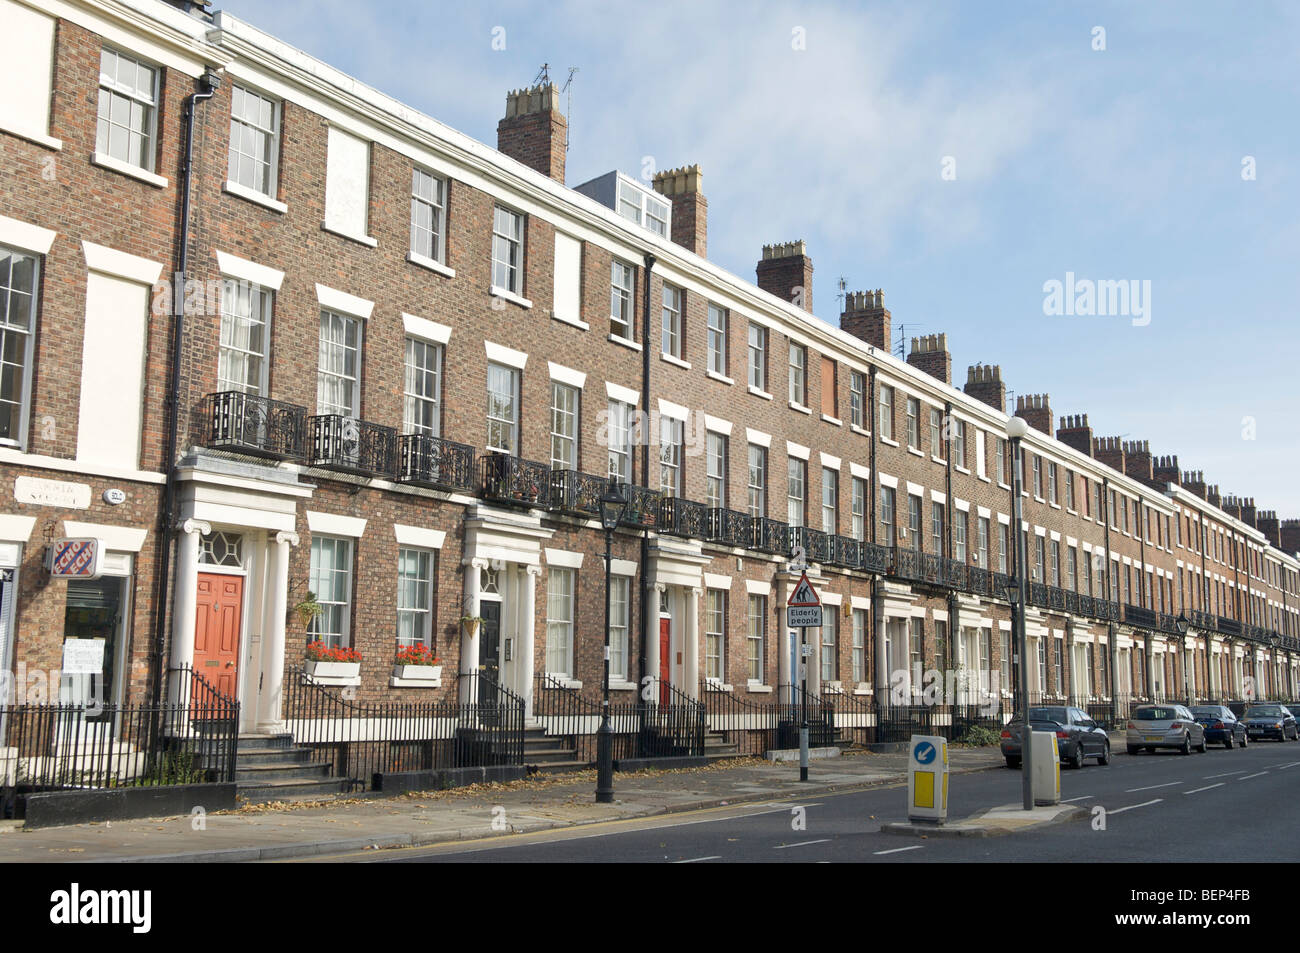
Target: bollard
point(927, 779)
point(1046, 768)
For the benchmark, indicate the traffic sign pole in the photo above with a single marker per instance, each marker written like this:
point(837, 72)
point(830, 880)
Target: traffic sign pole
point(803, 727)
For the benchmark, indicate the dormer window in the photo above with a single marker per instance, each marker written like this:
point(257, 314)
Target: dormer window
point(643, 207)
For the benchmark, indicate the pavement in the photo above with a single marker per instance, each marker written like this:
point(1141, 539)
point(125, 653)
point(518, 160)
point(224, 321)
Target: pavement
point(285, 831)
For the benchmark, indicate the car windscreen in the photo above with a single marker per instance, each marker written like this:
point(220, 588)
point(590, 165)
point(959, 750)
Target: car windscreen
point(1057, 715)
point(1155, 714)
point(1207, 712)
point(1264, 711)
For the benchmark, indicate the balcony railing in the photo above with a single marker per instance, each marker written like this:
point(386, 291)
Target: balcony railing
point(875, 558)
point(509, 479)
point(955, 574)
point(577, 493)
point(771, 536)
point(353, 445)
point(254, 425)
point(1144, 618)
point(729, 527)
point(1229, 626)
point(642, 506)
point(683, 517)
point(980, 582)
point(816, 544)
point(434, 462)
point(845, 551)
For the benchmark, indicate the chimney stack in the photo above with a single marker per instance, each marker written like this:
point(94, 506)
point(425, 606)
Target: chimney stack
point(785, 270)
point(682, 187)
point(534, 130)
point(866, 318)
point(1194, 482)
point(1110, 451)
point(1248, 512)
point(984, 383)
point(1213, 496)
point(1166, 471)
point(1036, 411)
point(1290, 536)
point(1137, 461)
point(930, 354)
point(1075, 432)
point(1267, 523)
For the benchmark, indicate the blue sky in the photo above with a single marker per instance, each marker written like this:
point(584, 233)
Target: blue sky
point(1120, 163)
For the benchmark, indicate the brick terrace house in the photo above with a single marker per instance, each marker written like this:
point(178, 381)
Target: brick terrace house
point(409, 363)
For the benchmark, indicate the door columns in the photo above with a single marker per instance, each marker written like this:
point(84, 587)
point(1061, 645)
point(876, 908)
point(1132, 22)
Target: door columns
point(469, 642)
point(692, 673)
point(269, 711)
point(527, 633)
point(187, 599)
point(652, 592)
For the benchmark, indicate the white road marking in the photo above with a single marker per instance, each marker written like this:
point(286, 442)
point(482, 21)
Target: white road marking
point(1152, 787)
point(1082, 797)
point(1121, 810)
point(1255, 775)
point(1225, 774)
point(696, 860)
point(804, 843)
point(897, 850)
point(1206, 788)
point(1281, 767)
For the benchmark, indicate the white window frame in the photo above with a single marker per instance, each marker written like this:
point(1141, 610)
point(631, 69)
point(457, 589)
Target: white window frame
point(622, 291)
point(422, 386)
point(620, 624)
point(830, 500)
point(859, 509)
point(715, 469)
point(133, 97)
point(715, 635)
point(671, 321)
point(798, 374)
point(23, 404)
point(234, 345)
point(756, 638)
point(428, 191)
point(268, 135)
point(757, 338)
point(342, 638)
point(619, 429)
point(717, 339)
point(564, 425)
point(886, 414)
point(560, 610)
point(756, 492)
point(498, 422)
point(857, 399)
point(421, 586)
point(913, 423)
point(325, 377)
point(671, 436)
point(507, 250)
point(796, 491)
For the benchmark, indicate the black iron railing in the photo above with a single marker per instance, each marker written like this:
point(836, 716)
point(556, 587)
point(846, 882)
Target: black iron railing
point(64, 747)
point(729, 527)
point(362, 740)
point(1144, 618)
point(771, 536)
point(642, 506)
point(747, 723)
point(508, 479)
point(793, 705)
point(848, 552)
point(577, 494)
point(255, 425)
point(683, 517)
point(816, 544)
point(875, 558)
point(955, 574)
point(353, 445)
point(435, 463)
point(659, 722)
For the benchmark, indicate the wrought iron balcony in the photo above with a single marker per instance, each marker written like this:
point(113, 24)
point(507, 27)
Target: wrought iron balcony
point(434, 462)
point(845, 551)
point(642, 506)
point(508, 479)
point(683, 517)
point(729, 527)
point(954, 574)
point(577, 493)
point(816, 544)
point(1038, 594)
point(246, 423)
point(353, 445)
point(1001, 582)
point(771, 536)
point(875, 558)
point(980, 582)
point(1056, 598)
point(906, 563)
point(1229, 626)
point(1071, 601)
point(1144, 618)
point(1087, 606)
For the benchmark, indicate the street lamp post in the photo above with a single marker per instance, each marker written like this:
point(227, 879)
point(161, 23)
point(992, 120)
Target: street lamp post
point(1016, 430)
point(1181, 625)
point(612, 506)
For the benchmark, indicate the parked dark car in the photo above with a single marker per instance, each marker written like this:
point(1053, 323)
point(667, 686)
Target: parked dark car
point(1270, 721)
point(1077, 736)
point(1221, 725)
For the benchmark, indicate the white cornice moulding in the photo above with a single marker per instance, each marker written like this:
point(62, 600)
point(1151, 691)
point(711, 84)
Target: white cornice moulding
point(829, 462)
point(336, 300)
point(797, 450)
point(717, 425)
point(625, 395)
point(567, 375)
point(716, 581)
point(676, 411)
point(887, 480)
point(622, 567)
point(758, 587)
point(425, 329)
point(859, 471)
point(26, 237)
point(119, 264)
point(758, 438)
point(505, 355)
point(122, 539)
point(246, 270)
point(332, 525)
point(419, 536)
point(565, 560)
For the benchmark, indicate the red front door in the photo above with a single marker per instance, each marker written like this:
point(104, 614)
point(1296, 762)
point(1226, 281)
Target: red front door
point(665, 678)
point(216, 630)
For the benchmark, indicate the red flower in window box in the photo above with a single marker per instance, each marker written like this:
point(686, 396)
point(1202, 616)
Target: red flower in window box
point(417, 655)
point(320, 652)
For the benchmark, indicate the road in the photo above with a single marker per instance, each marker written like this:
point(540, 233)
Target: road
point(1220, 806)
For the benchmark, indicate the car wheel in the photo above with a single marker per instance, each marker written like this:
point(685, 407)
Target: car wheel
point(1244, 740)
point(1187, 745)
point(1077, 762)
point(1202, 746)
point(1228, 743)
point(1149, 750)
point(1013, 762)
point(1104, 757)
point(1133, 749)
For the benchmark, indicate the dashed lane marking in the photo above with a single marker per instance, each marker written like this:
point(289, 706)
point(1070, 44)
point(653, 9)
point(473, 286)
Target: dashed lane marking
point(1134, 807)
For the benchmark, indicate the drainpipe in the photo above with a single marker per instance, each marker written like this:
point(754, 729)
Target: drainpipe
point(872, 494)
point(210, 82)
point(954, 620)
point(1112, 630)
point(645, 457)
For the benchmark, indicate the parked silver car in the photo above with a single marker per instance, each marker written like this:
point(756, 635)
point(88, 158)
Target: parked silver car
point(1164, 726)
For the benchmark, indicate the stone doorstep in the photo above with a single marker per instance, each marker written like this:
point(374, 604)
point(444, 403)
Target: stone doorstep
point(992, 822)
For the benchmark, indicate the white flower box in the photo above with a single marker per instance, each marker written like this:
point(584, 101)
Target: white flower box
point(416, 676)
point(333, 673)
